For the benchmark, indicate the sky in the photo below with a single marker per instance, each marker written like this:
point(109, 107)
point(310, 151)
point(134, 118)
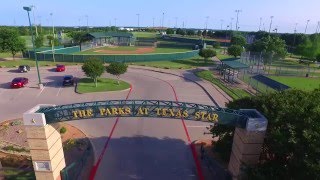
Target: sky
point(187, 13)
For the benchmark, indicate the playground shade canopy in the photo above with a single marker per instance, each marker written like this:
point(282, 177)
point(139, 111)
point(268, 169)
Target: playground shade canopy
point(234, 64)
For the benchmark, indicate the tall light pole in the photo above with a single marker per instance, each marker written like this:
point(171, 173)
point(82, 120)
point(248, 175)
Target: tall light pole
point(318, 27)
point(153, 22)
point(39, 17)
point(138, 20)
point(237, 11)
point(221, 20)
point(294, 38)
point(176, 24)
point(162, 19)
point(28, 9)
point(260, 23)
point(34, 19)
point(271, 17)
point(305, 30)
point(52, 41)
point(207, 22)
point(115, 22)
point(87, 22)
point(231, 24)
point(225, 41)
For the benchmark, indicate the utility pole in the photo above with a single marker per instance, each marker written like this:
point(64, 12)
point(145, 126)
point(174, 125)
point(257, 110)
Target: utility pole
point(305, 30)
point(221, 20)
point(271, 17)
point(237, 11)
point(260, 23)
point(138, 20)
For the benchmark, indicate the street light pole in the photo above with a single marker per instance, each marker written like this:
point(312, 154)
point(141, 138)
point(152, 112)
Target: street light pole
point(305, 30)
point(34, 49)
point(52, 41)
point(34, 20)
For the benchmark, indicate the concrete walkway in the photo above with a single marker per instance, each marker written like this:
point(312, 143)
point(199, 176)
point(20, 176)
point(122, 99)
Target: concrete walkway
point(219, 97)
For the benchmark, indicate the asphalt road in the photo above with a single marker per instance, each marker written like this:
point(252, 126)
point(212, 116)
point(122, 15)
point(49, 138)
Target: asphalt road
point(139, 148)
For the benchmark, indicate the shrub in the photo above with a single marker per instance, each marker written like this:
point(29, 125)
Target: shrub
point(63, 130)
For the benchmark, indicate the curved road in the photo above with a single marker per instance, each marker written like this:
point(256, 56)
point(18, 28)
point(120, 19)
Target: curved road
point(139, 148)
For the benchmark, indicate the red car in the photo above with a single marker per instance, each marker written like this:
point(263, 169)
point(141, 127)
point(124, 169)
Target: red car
point(60, 68)
point(19, 82)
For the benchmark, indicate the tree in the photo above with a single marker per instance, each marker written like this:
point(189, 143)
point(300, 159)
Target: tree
point(235, 50)
point(199, 33)
point(291, 146)
point(310, 47)
point(55, 40)
point(191, 32)
point(93, 68)
point(117, 69)
point(207, 53)
point(18, 45)
point(270, 44)
point(238, 40)
point(38, 41)
point(78, 37)
point(10, 41)
point(170, 31)
point(318, 57)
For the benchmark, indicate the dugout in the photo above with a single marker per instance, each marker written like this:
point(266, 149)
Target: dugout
point(230, 69)
point(110, 38)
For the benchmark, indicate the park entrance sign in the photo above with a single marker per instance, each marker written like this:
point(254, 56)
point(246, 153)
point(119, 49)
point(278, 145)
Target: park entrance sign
point(144, 108)
point(46, 146)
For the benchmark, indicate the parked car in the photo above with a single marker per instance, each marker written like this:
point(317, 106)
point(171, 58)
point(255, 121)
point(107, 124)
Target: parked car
point(24, 68)
point(68, 80)
point(19, 82)
point(60, 68)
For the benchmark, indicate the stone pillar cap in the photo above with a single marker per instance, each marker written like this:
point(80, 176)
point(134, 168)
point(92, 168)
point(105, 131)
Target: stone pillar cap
point(256, 121)
point(31, 118)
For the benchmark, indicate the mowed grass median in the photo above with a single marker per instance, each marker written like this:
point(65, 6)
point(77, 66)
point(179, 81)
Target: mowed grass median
point(86, 85)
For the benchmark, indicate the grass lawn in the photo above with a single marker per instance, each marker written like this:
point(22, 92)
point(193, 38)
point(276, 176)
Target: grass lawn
point(9, 55)
point(145, 34)
point(16, 174)
point(177, 64)
point(86, 85)
point(302, 83)
point(31, 62)
point(234, 93)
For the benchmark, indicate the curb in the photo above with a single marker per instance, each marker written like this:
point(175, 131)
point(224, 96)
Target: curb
point(159, 71)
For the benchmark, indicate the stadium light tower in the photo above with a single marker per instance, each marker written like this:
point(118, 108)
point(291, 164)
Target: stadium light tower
point(271, 17)
point(207, 18)
point(138, 20)
point(115, 22)
point(28, 9)
point(53, 37)
point(162, 20)
point(237, 11)
point(176, 18)
point(231, 24)
point(305, 30)
point(153, 22)
point(87, 18)
point(260, 23)
point(221, 20)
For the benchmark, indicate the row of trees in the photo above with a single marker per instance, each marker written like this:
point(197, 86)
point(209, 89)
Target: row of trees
point(94, 68)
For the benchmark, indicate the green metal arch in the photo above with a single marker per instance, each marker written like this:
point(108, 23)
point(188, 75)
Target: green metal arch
point(155, 108)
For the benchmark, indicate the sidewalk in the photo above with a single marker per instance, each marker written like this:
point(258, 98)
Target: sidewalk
point(219, 97)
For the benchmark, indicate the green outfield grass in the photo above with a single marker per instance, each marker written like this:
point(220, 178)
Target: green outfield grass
point(87, 85)
point(131, 48)
point(177, 64)
point(302, 83)
point(145, 34)
point(31, 62)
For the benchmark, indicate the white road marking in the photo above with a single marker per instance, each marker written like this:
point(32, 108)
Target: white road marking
point(44, 86)
point(59, 91)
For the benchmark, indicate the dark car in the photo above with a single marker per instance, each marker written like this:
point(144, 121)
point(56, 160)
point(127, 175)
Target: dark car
point(60, 68)
point(19, 82)
point(68, 80)
point(24, 68)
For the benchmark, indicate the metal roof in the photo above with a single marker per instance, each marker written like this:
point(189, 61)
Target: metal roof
point(234, 64)
point(270, 82)
point(110, 34)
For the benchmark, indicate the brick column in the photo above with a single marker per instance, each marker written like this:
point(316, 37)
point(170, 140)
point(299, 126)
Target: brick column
point(247, 143)
point(45, 145)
